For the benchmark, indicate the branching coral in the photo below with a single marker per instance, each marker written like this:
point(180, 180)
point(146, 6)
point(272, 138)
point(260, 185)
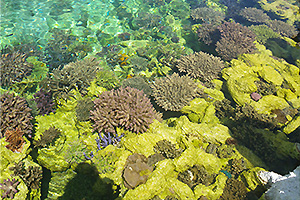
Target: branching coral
point(9, 188)
point(14, 68)
point(138, 83)
point(207, 15)
point(202, 66)
point(236, 39)
point(125, 107)
point(283, 28)
point(48, 137)
point(77, 74)
point(263, 33)
point(44, 102)
point(30, 175)
point(15, 139)
point(14, 113)
point(83, 109)
point(254, 15)
point(174, 92)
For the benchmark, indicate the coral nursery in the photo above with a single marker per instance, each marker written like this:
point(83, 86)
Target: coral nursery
point(147, 99)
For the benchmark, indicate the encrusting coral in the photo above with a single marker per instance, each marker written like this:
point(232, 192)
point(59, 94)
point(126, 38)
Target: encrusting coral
point(14, 68)
point(127, 107)
point(174, 92)
point(14, 113)
point(202, 66)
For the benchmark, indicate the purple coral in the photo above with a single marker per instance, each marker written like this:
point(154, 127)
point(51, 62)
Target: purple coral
point(128, 108)
point(9, 187)
point(44, 102)
point(104, 141)
point(236, 39)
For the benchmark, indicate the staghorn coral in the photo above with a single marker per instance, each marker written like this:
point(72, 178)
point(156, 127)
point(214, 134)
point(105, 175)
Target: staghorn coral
point(174, 92)
point(14, 113)
point(127, 107)
point(104, 141)
point(263, 33)
point(77, 75)
point(236, 39)
point(254, 15)
point(283, 28)
point(48, 137)
point(44, 102)
point(15, 139)
point(207, 33)
point(9, 188)
point(202, 66)
point(13, 68)
point(30, 175)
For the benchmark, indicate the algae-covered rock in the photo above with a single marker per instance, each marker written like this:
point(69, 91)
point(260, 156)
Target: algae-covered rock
point(249, 68)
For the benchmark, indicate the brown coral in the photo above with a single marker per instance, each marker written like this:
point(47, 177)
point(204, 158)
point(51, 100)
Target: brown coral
point(136, 171)
point(15, 139)
point(13, 68)
point(9, 188)
point(254, 15)
point(283, 28)
point(202, 66)
point(48, 137)
point(125, 107)
point(77, 74)
point(167, 149)
point(207, 15)
point(14, 113)
point(174, 92)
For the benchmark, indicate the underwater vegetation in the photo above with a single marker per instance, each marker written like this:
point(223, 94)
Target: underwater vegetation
point(148, 100)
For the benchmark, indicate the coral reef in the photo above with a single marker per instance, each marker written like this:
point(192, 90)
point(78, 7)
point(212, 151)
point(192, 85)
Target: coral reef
point(125, 107)
point(263, 33)
point(83, 109)
point(202, 66)
point(136, 171)
point(207, 15)
point(254, 15)
point(236, 39)
point(14, 68)
point(15, 139)
point(30, 175)
point(235, 190)
point(44, 102)
point(104, 141)
point(167, 149)
point(49, 136)
point(174, 92)
point(14, 113)
point(106, 79)
point(9, 188)
point(138, 83)
point(283, 28)
point(77, 75)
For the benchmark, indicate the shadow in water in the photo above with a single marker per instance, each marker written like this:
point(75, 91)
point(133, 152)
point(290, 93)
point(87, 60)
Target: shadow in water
point(87, 185)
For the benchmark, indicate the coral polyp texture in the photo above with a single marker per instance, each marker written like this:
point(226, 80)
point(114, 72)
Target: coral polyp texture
point(14, 113)
point(202, 66)
point(128, 108)
point(173, 92)
point(44, 102)
point(9, 188)
point(236, 39)
point(14, 68)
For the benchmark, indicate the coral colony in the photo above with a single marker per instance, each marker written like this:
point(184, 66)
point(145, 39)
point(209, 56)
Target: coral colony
point(150, 99)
